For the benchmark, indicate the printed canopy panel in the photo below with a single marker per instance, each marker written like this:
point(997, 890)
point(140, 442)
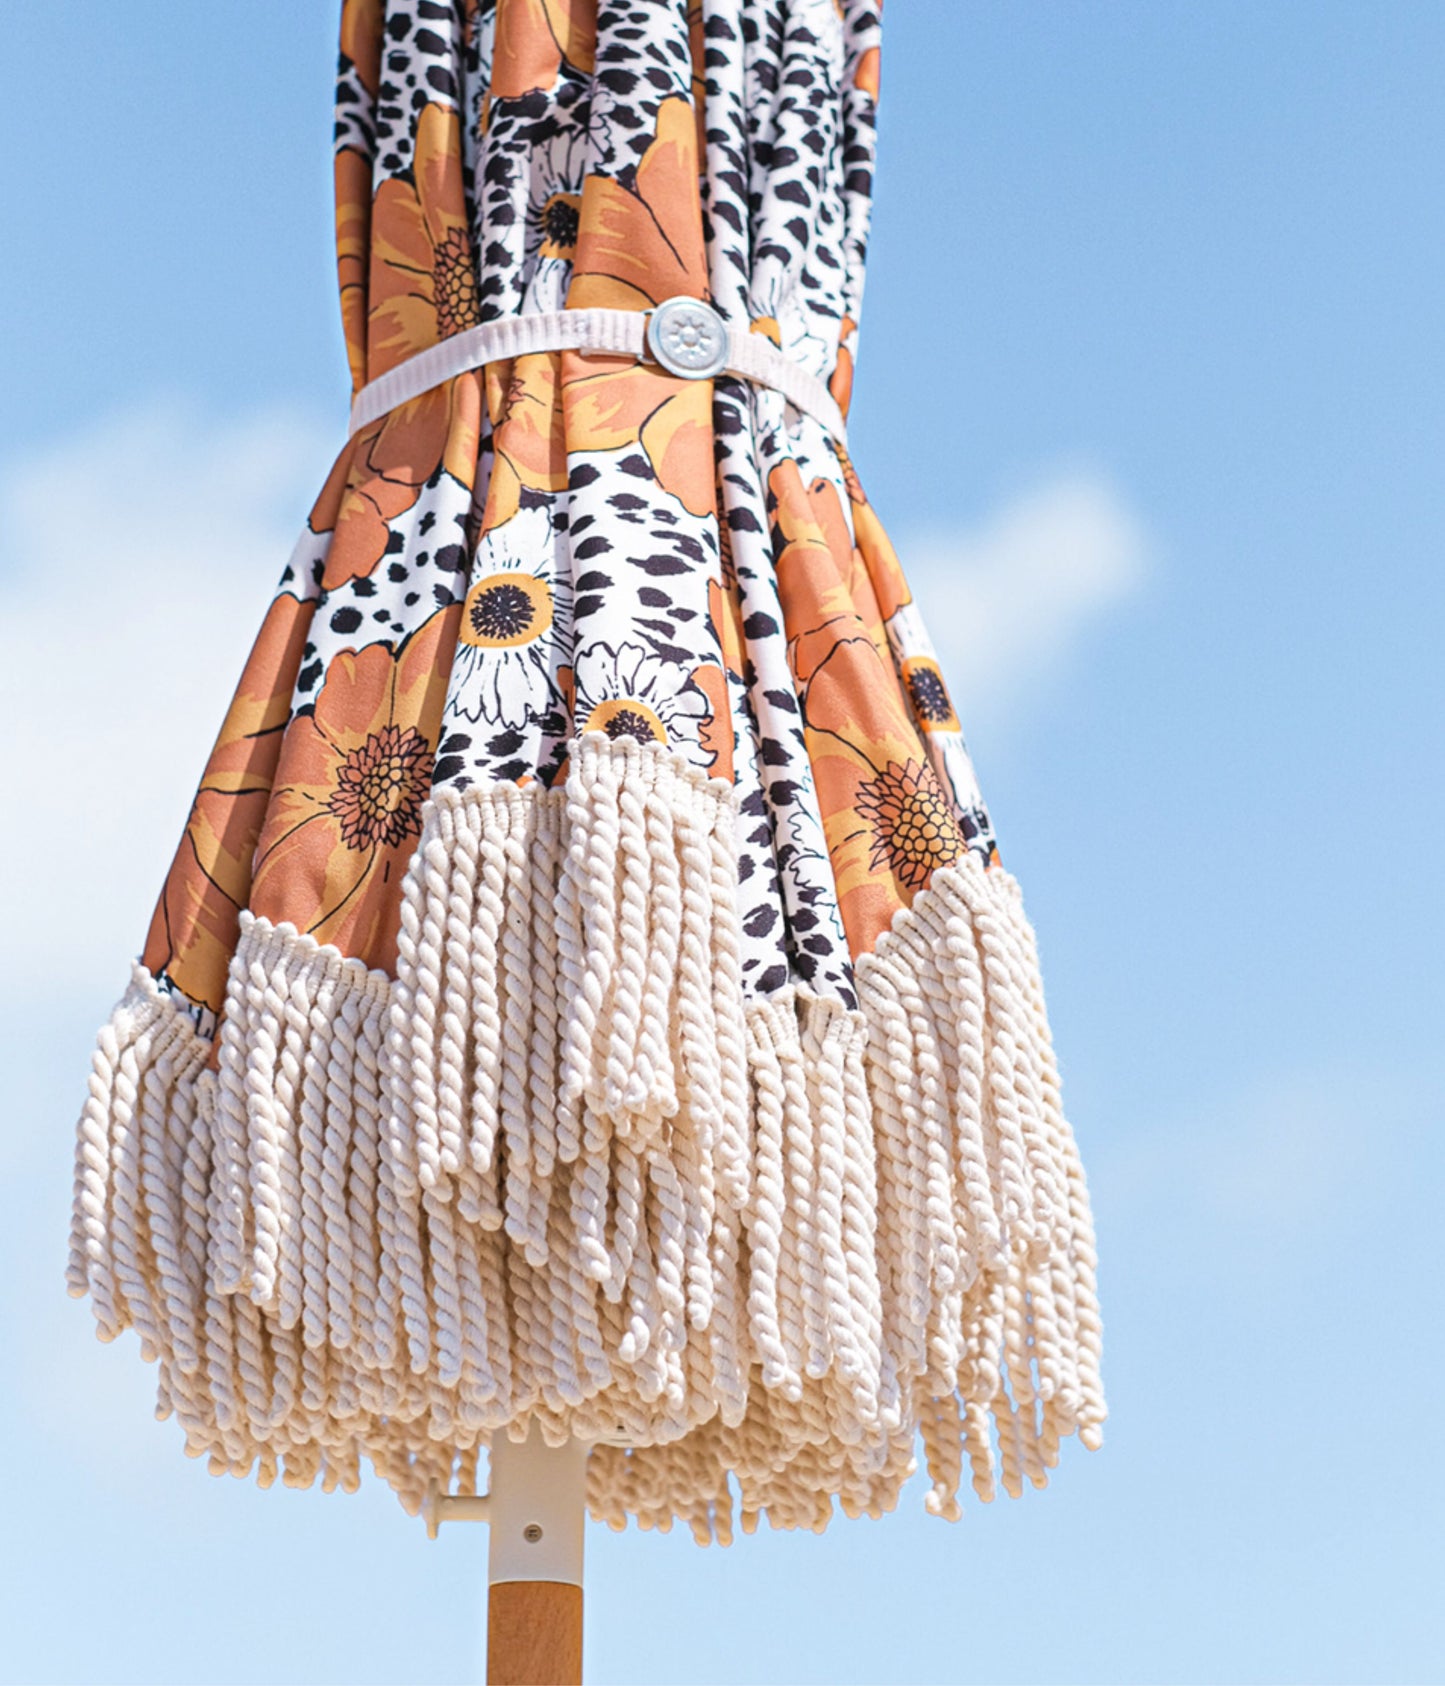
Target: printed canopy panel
point(587, 989)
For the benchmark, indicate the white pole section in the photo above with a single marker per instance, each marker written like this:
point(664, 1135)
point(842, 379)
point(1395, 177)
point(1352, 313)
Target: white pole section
point(537, 1508)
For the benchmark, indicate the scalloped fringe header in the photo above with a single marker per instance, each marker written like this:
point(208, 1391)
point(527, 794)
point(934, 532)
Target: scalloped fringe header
point(558, 1169)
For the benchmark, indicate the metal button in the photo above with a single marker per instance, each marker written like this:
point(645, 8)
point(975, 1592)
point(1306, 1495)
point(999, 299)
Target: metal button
point(688, 337)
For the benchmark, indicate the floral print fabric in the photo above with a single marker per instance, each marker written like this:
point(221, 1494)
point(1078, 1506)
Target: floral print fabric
point(569, 543)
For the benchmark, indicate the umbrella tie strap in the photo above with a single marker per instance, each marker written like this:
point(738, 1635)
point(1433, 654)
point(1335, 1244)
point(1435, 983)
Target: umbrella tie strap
point(683, 335)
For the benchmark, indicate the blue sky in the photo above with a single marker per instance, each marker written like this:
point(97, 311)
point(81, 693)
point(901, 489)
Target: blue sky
point(1152, 398)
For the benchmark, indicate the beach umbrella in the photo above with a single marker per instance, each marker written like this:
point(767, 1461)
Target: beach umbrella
point(587, 1021)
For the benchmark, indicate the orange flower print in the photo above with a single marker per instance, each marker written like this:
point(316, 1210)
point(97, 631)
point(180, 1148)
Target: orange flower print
point(361, 26)
point(361, 37)
point(890, 588)
point(391, 460)
point(535, 37)
point(353, 236)
point(827, 509)
point(423, 283)
point(195, 927)
point(914, 831)
point(851, 482)
point(420, 287)
point(529, 440)
point(353, 774)
point(610, 403)
point(886, 818)
point(865, 601)
point(380, 788)
point(639, 242)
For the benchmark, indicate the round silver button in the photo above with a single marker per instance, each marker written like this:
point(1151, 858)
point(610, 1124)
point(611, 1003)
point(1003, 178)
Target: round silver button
point(688, 337)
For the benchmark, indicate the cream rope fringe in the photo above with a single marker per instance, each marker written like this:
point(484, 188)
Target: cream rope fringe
point(558, 1169)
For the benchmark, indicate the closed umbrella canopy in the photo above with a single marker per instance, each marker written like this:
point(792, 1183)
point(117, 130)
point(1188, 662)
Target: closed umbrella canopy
point(587, 990)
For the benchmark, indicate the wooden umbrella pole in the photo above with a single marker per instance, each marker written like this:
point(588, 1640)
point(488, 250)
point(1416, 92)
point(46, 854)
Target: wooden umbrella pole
point(537, 1507)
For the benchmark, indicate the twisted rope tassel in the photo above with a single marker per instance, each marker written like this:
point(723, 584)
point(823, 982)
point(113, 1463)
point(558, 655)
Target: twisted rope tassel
point(393, 1217)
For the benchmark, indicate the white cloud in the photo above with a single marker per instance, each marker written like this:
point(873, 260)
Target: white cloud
point(1006, 599)
point(136, 561)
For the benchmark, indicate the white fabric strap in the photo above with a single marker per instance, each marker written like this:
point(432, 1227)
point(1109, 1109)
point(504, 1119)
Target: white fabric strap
point(613, 332)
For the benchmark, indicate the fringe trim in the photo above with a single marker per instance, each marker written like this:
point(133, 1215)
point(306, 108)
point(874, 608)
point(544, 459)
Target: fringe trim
point(558, 1169)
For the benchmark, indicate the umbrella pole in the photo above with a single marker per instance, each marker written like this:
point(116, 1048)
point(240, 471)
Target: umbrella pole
point(537, 1509)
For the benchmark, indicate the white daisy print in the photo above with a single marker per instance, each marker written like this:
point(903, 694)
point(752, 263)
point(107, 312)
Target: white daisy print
point(516, 628)
point(554, 206)
point(629, 692)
